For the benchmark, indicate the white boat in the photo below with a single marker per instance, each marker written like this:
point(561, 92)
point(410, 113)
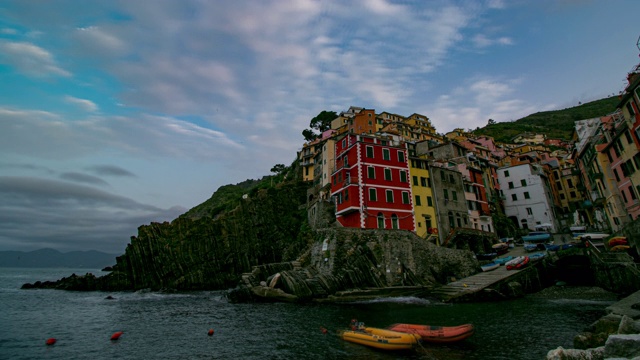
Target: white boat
point(489, 266)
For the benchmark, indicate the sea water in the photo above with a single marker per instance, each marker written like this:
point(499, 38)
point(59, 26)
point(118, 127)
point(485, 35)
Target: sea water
point(175, 326)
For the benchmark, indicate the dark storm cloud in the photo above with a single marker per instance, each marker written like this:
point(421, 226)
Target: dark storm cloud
point(83, 178)
point(111, 170)
point(37, 213)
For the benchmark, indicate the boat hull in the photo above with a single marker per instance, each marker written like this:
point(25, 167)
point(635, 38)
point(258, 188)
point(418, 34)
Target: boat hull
point(382, 339)
point(436, 334)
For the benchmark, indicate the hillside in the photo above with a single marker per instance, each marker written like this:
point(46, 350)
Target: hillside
point(557, 124)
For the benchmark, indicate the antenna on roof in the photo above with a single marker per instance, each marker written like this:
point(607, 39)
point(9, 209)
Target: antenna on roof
point(638, 44)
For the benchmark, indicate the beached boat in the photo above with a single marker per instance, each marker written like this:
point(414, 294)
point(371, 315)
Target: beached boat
point(436, 334)
point(382, 339)
point(500, 248)
point(537, 237)
point(503, 260)
point(532, 247)
point(536, 257)
point(486, 256)
point(490, 266)
point(517, 263)
point(618, 240)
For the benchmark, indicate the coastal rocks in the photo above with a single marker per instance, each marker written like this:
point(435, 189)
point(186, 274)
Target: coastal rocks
point(622, 346)
point(87, 282)
point(355, 263)
point(573, 354)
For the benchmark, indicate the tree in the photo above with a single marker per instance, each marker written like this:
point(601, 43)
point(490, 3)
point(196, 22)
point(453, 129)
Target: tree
point(322, 122)
point(309, 135)
point(491, 122)
point(278, 168)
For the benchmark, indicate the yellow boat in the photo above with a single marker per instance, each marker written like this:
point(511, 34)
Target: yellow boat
point(381, 338)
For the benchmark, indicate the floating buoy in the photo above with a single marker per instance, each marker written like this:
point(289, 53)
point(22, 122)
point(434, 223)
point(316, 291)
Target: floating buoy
point(116, 335)
point(210, 333)
point(50, 341)
point(323, 330)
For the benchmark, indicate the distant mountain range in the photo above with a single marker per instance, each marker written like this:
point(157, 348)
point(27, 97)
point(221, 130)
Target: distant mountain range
point(50, 258)
point(556, 124)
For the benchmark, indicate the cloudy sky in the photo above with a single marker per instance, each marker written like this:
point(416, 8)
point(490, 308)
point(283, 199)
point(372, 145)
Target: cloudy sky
point(114, 114)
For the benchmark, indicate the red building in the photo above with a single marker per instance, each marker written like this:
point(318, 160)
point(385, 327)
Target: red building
point(370, 183)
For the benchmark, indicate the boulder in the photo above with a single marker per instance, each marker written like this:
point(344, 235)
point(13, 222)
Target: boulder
point(622, 346)
point(574, 354)
point(587, 340)
point(629, 326)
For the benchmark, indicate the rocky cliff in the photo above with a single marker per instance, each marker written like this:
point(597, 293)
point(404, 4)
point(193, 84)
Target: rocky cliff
point(261, 239)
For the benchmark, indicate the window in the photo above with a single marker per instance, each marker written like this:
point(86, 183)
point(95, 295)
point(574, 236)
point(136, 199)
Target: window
point(506, 173)
point(451, 223)
point(389, 194)
point(387, 174)
point(510, 185)
point(514, 197)
point(403, 176)
point(526, 195)
point(443, 177)
point(562, 197)
point(429, 201)
point(452, 179)
point(454, 195)
point(627, 135)
point(346, 194)
point(417, 200)
point(394, 221)
point(570, 183)
point(423, 181)
point(523, 182)
point(380, 221)
point(415, 180)
point(405, 197)
point(632, 193)
point(428, 182)
point(385, 154)
point(370, 151)
point(615, 172)
point(446, 194)
point(344, 143)
point(371, 172)
point(373, 194)
point(529, 211)
point(572, 194)
point(401, 156)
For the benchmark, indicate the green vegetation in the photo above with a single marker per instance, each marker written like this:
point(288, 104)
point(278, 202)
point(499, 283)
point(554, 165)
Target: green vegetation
point(228, 197)
point(320, 123)
point(557, 124)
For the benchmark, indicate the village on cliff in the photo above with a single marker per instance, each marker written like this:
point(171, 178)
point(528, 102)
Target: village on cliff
point(387, 171)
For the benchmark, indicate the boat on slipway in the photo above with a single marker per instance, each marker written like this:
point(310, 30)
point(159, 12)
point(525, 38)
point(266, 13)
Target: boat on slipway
point(503, 260)
point(436, 334)
point(517, 263)
point(490, 266)
point(537, 237)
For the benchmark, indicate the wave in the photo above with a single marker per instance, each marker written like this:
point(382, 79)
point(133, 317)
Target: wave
point(408, 300)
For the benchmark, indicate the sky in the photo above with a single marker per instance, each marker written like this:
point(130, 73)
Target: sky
point(115, 114)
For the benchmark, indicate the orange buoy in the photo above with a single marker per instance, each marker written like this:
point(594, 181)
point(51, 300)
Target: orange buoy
point(50, 341)
point(116, 335)
point(210, 333)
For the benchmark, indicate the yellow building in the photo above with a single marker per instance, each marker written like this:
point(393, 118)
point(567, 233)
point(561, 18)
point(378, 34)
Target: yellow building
point(423, 199)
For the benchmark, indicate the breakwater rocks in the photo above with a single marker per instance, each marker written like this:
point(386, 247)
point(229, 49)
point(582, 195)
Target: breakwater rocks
point(614, 336)
point(347, 264)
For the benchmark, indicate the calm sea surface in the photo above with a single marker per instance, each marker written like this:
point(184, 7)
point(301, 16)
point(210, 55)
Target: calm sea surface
point(174, 326)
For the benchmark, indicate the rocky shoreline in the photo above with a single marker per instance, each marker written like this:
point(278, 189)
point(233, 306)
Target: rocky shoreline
point(614, 336)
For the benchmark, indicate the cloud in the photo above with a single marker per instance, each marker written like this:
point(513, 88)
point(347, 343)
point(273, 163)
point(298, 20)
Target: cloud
point(30, 59)
point(84, 104)
point(22, 131)
point(482, 41)
point(37, 212)
point(8, 31)
point(83, 178)
point(111, 170)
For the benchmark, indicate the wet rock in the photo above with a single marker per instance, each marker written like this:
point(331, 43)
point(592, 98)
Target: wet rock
point(628, 326)
point(622, 346)
point(587, 340)
point(573, 354)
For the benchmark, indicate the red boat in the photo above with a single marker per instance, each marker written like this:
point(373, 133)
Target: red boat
point(618, 240)
point(517, 263)
point(436, 334)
